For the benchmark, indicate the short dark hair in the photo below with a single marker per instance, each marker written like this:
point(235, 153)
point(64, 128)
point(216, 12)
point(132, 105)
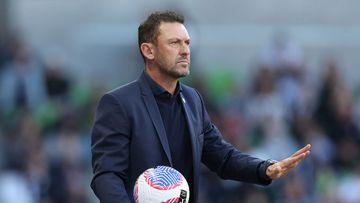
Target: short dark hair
point(148, 31)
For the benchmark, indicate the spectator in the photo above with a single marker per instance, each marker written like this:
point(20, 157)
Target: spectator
point(22, 81)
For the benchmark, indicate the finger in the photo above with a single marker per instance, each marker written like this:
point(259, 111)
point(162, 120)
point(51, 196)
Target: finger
point(288, 164)
point(286, 169)
point(302, 150)
point(293, 160)
point(282, 167)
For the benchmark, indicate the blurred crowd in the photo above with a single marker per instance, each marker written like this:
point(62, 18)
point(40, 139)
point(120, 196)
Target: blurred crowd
point(46, 117)
point(45, 122)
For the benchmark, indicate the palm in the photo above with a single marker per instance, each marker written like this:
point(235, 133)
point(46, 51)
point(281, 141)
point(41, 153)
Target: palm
point(284, 166)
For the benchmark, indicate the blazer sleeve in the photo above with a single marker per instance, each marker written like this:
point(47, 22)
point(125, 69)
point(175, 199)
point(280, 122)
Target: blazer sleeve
point(227, 161)
point(110, 138)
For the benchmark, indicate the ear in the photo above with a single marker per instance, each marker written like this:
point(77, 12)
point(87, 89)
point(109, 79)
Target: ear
point(147, 50)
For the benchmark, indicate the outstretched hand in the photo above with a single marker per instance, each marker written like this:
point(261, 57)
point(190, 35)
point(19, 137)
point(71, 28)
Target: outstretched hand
point(282, 167)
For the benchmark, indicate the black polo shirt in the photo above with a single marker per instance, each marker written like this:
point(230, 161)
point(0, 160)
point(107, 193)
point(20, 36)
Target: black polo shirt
point(173, 116)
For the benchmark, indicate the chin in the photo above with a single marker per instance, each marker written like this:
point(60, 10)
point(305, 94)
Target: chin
point(179, 71)
point(180, 74)
point(184, 73)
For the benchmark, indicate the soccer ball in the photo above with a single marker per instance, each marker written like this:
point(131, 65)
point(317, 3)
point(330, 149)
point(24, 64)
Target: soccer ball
point(162, 184)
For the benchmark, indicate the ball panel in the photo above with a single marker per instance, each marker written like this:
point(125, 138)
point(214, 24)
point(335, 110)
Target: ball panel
point(163, 178)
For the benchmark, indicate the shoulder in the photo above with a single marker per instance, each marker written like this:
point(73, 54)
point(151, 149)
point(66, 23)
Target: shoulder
point(123, 94)
point(125, 90)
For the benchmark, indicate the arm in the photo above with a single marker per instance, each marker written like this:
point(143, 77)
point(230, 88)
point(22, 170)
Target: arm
point(229, 163)
point(224, 159)
point(110, 139)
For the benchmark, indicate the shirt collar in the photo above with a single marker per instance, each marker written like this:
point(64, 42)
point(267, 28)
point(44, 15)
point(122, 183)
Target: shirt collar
point(157, 90)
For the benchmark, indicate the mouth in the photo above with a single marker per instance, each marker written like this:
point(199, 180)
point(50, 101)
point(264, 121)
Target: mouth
point(183, 61)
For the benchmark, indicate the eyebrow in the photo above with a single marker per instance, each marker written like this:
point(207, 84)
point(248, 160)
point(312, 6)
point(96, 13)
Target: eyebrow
point(179, 39)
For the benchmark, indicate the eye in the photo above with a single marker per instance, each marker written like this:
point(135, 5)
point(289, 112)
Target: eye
point(174, 44)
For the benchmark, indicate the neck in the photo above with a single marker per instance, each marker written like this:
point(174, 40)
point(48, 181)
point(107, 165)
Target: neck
point(166, 82)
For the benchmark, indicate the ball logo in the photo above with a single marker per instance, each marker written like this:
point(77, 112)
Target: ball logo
point(162, 184)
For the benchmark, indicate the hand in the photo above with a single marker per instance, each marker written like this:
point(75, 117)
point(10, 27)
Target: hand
point(281, 168)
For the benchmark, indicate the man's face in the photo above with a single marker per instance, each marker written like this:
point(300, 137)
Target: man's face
point(172, 51)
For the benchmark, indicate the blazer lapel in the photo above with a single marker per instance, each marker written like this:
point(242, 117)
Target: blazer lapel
point(155, 115)
point(194, 143)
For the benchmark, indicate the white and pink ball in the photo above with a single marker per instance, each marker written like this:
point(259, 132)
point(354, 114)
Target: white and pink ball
point(162, 184)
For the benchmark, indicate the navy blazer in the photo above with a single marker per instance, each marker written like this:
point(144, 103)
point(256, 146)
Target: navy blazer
point(128, 137)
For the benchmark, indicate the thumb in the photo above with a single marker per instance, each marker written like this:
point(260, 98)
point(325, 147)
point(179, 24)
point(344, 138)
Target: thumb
point(274, 171)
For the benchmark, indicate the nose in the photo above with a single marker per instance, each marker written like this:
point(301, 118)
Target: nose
point(185, 49)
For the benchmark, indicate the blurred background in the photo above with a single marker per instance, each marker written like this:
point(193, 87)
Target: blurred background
point(275, 75)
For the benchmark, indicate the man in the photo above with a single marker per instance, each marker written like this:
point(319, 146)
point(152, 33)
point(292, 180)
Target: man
point(156, 120)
